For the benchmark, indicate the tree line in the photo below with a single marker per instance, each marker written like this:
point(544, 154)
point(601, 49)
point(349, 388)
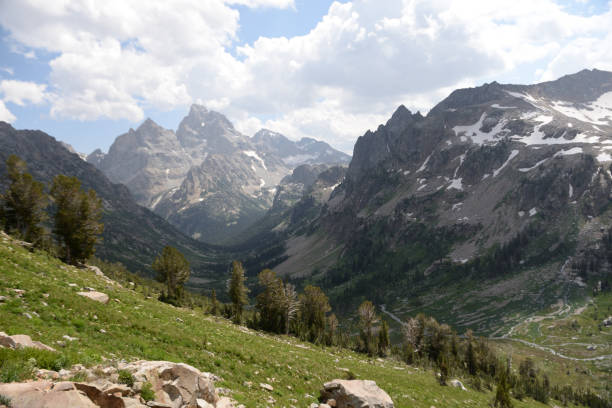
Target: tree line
point(75, 214)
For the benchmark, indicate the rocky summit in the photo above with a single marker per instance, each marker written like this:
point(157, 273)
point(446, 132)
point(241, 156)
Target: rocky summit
point(207, 179)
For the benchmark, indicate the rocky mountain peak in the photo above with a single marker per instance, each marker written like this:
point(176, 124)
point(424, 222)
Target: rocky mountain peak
point(95, 157)
point(148, 124)
point(203, 131)
point(267, 135)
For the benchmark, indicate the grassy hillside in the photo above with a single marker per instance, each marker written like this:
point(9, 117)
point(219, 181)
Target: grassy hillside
point(131, 326)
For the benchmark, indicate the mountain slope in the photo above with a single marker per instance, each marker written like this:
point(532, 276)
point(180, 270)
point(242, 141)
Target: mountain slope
point(490, 194)
point(132, 235)
point(133, 326)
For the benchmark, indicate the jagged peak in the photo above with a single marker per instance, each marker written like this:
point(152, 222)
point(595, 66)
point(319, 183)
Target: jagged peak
point(267, 133)
point(148, 123)
point(197, 109)
point(401, 114)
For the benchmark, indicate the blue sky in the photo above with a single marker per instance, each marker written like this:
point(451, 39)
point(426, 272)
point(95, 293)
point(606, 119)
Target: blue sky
point(86, 72)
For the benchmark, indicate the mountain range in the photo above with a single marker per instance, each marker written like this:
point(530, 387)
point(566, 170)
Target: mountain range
point(497, 201)
point(207, 179)
point(495, 204)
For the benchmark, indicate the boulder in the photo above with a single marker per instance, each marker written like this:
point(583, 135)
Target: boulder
point(175, 384)
point(356, 394)
point(22, 341)
point(99, 397)
point(97, 296)
point(457, 384)
point(42, 394)
point(6, 341)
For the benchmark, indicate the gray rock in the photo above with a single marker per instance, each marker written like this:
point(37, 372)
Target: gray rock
point(97, 296)
point(457, 384)
point(356, 394)
point(266, 387)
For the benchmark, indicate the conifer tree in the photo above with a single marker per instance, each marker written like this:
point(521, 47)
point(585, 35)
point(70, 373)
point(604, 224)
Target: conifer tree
point(237, 291)
point(172, 269)
point(214, 303)
point(289, 305)
point(502, 394)
point(383, 339)
point(77, 218)
point(269, 301)
point(22, 207)
point(332, 330)
point(314, 304)
point(367, 319)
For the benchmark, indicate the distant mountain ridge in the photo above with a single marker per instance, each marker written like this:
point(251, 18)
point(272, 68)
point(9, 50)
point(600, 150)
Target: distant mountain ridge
point(207, 179)
point(505, 189)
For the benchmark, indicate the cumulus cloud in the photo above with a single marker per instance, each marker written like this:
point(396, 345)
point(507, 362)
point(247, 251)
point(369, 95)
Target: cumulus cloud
point(5, 114)
point(116, 59)
point(282, 4)
point(22, 92)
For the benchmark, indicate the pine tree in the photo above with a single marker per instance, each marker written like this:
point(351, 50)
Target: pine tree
point(314, 304)
point(214, 303)
point(470, 355)
point(289, 305)
point(383, 339)
point(77, 218)
point(22, 207)
point(238, 292)
point(367, 320)
point(172, 269)
point(502, 394)
point(269, 301)
point(332, 330)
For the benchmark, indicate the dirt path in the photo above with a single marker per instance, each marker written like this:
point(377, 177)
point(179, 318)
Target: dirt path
point(551, 351)
point(391, 315)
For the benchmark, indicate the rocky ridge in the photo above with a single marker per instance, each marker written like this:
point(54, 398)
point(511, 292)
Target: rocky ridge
point(512, 168)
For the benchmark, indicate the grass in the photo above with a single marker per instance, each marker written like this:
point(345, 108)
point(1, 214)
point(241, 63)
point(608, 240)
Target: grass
point(133, 327)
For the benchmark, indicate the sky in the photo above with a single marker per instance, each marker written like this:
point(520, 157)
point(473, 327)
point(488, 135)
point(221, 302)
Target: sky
point(85, 71)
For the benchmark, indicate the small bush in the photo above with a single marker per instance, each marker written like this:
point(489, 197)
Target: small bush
point(4, 400)
point(13, 371)
point(125, 377)
point(81, 376)
point(147, 393)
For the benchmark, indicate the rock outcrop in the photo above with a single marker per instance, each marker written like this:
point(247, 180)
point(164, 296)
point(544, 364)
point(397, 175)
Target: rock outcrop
point(172, 385)
point(355, 394)
point(21, 341)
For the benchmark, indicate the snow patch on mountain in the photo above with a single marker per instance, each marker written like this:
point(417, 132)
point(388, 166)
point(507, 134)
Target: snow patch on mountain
point(526, 169)
point(253, 154)
point(598, 112)
point(569, 152)
point(513, 154)
point(604, 157)
point(424, 165)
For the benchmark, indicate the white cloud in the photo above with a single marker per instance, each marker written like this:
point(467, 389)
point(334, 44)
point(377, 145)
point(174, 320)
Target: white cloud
point(20, 92)
point(5, 114)
point(116, 59)
point(282, 4)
